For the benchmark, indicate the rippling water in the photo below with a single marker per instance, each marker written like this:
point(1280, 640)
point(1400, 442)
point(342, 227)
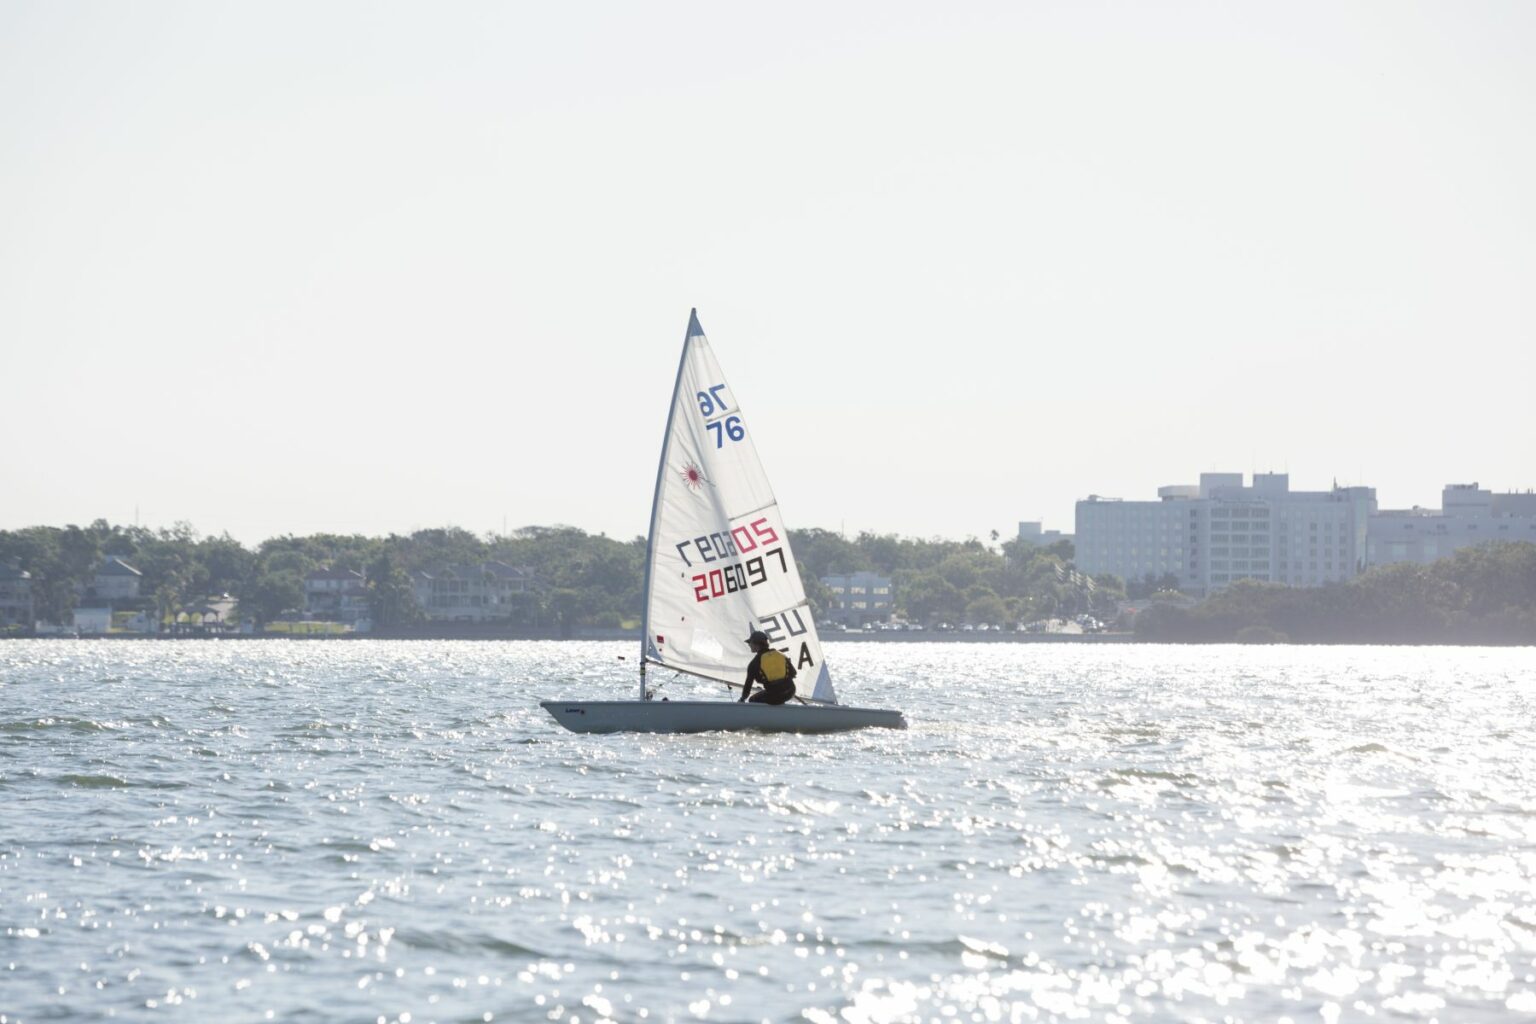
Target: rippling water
point(395, 831)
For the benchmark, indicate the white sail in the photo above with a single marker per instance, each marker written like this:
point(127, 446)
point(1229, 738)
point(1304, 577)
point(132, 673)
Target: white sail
point(719, 563)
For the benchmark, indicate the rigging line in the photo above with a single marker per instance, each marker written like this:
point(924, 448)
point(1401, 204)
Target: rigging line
point(804, 602)
point(661, 470)
point(725, 682)
point(755, 511)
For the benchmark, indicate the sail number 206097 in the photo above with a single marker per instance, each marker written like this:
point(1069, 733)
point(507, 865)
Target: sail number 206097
point(713, 406)
point(737, 576)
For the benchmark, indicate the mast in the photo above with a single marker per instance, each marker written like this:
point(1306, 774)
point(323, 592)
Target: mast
point(661, 469)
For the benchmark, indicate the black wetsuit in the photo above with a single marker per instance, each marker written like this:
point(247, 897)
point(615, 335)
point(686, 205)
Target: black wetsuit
point(773, 692)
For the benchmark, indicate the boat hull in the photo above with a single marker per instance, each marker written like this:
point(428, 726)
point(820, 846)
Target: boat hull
point(678, 716)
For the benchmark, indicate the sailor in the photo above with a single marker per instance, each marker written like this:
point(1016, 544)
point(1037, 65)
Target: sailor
point(770, 668)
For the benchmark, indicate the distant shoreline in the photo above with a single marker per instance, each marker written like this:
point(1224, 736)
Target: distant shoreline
point(628, 636)
point(893, 637)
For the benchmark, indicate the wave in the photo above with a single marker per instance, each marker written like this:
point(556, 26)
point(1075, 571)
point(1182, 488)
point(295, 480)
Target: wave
point(463, 942)
point(1127, 776)
point(42, 724)
point(94, 781)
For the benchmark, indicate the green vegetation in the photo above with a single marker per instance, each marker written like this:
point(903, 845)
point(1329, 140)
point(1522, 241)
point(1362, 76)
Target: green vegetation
point(587, 580)
point(584, 580)
point(960, 581)
point(1481, 595)
point(307, 628)
point(178, 566)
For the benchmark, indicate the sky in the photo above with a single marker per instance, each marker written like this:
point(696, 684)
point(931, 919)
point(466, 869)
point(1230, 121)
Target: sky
point(365, 267)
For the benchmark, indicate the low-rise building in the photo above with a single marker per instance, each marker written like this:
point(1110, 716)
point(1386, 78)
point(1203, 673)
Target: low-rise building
point(93, 619)
point(213, 614)
point(487, 592)
point(114, 588)
point(1034, 532)
point(336, 595)
point(859, 598)
point(15, 596)
point(115, 580)
point(1468, 515)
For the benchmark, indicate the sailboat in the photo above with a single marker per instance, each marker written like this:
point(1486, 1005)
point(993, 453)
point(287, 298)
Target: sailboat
point(718, 567)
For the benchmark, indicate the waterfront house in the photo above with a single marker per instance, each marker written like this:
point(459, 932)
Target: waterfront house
point(115, 580)
point(336, 595)
point(15, 596)
point(487, 592)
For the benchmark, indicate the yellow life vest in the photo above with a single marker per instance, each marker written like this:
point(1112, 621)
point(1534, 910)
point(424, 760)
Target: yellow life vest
point(774, 665)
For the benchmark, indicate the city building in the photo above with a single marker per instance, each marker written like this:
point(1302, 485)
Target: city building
point(1468, 515)
point(336, 595)
point(1212, 534)
point(15, 596)
point(487, 592)
point(859, 598)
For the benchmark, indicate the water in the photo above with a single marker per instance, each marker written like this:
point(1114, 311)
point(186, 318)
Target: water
point(395, 831)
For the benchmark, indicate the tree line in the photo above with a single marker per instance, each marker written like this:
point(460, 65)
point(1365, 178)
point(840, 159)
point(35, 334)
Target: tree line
point(1485, 594)
point(584, 579)
point(939, 580)
point(1479, 595)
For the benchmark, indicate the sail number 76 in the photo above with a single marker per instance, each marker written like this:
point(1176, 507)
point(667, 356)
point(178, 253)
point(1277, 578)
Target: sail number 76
point(730, 427)
point(711, 403)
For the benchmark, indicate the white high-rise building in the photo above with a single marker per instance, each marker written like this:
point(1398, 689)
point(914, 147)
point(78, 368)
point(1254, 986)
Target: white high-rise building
point(1219, 531)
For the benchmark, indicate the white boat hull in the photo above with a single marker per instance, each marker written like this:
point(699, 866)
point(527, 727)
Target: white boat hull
point(716, 716)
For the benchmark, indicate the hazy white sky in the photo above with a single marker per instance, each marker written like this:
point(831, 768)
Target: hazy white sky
point(367, 267)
